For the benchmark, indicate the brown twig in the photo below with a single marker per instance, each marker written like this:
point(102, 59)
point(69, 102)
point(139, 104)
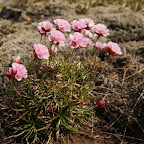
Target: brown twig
point(122, 136)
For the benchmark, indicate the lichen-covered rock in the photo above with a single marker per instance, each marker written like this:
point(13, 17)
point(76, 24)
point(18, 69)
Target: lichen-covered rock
point(10, 13)
point(18, 43)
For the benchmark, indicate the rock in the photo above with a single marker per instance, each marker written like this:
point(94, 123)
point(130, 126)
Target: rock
point(24, 17)
point(121, 61)
point(125, 36)
point(116, 17)
point(19, 43)
point(9, 12)
point(41, 10)
point(134, 47)
point(124, 24)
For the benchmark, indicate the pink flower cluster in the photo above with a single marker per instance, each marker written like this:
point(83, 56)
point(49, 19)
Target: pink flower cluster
point(112, 49)
point(81, 24)
point(62, 25)
point(98, 45)
point(101, 30)
point(17, 71)
point(41, 51)
point(89, 23)
point(57, 37)
point(78, 41)
point(44, 27)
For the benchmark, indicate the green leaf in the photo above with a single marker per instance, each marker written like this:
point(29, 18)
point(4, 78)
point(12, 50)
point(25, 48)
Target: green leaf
point(22, 127)
point(21, 117)
point(19, 104)
point(58, 124)
point(77, 84)
point(57, 133)
point(43, 128)
point(66, 125)
point(136, 7)
point(36, 137)
point(21, 133)
point(19, 109)
point(27, 95)
point(31, 130)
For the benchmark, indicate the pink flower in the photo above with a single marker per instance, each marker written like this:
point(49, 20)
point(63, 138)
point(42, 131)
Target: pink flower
point(16, 59)
point(40, 30)
point(41, 51)
point(45, 26)
point(18, 71)
point(78, 26)
point(57, 37)
point(87, 42)
point(62, 25)
point(98, 45)
point(89, 23)
point(113, 49)
point(77, 41)
point(101, 30)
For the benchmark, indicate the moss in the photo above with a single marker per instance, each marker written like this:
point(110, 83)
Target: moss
point(8, 29)
point(38, 16)
point(81, 9)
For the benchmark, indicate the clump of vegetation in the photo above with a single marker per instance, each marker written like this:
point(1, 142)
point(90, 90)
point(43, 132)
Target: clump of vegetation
point(7, 29)
point(55, 95)
point(82, 9)
point(52, 100)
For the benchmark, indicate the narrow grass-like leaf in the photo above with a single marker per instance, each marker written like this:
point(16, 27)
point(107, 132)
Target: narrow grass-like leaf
point(19, 109)
point(21, 133)
point(22, 127)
